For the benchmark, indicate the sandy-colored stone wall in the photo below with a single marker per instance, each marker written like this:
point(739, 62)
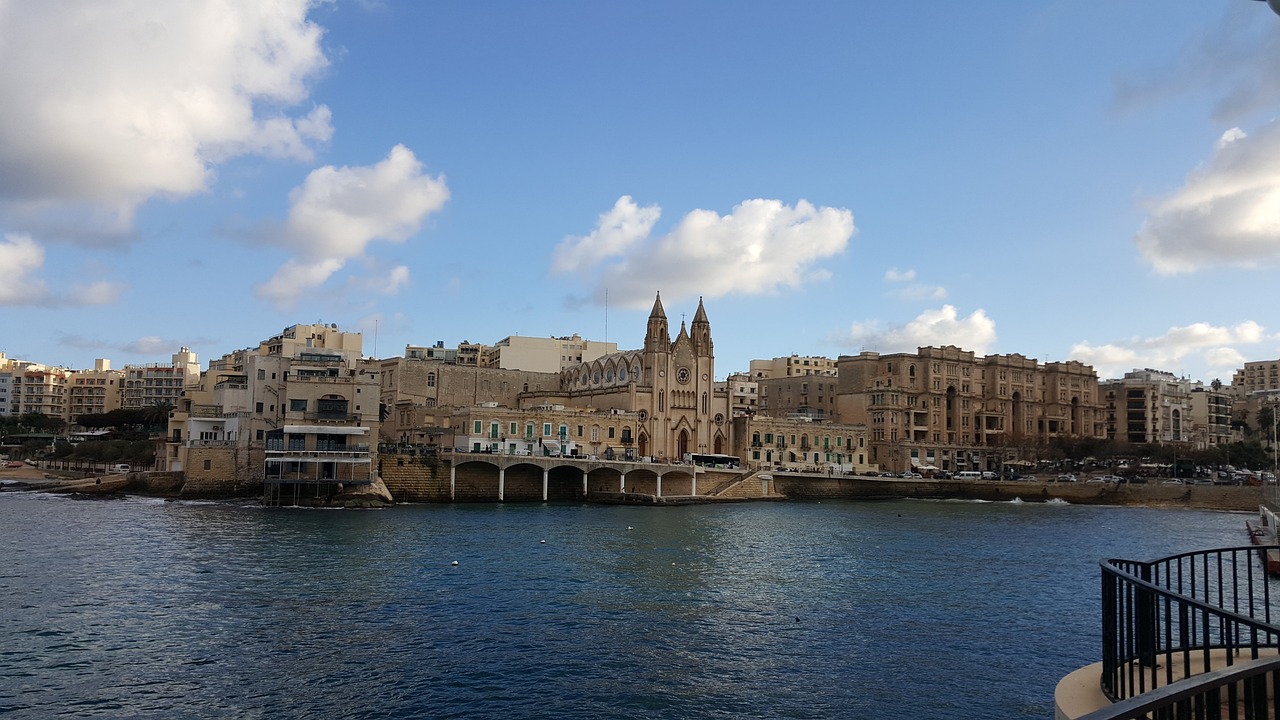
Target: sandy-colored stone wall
point(220, 472)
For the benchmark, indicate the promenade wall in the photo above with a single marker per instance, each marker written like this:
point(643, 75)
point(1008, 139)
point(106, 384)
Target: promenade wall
point(1212, 497)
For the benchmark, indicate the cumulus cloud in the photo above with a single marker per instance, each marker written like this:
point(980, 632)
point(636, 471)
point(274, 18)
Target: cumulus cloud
point(101, 292)
point(110, 103)
point(1227, 212)
point(617, 231)
point(21, 259)
point(1214, 346)
point(895, 275)
point(939, 327)
point(760, 247)
point(337, 212)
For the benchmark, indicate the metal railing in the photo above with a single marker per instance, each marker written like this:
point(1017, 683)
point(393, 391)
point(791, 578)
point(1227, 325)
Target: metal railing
point(1181, 631)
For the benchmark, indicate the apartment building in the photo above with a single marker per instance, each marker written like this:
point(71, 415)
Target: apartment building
point(743, 392)
point(95, 392)
point(40, 389)
point(944, 407)
point(300, 409)
point(763, 442)
point(1260, 376)
point(546, 430)
point(792, 366)
point(548, 355)
point(1148, 406)
point(811, 397)
point(1211, 412)
point(159, 383)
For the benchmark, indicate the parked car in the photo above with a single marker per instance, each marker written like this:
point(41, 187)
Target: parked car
point(1066, 477)
point(1110, 479)
point(120, 468)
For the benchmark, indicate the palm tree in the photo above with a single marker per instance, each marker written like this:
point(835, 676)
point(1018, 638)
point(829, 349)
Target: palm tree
point(157, 415)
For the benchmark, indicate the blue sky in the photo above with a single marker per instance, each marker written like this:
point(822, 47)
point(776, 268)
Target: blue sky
point(1074, 179)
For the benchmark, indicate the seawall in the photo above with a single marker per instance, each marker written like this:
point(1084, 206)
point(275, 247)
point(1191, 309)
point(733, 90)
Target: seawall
point(1211, 497)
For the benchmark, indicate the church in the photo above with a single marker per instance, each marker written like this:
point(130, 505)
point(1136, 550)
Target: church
point(668, 386)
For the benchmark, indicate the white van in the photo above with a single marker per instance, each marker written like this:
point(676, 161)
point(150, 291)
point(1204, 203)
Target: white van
point(968, 475)
point(120, 468)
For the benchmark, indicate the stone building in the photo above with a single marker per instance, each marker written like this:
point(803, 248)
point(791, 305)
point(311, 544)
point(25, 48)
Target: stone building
point(546, 430)
point(803, 396)
point(1211, 411)
point(763, 442)
point(1259, 376)
point(945, 408)
point(159, 383)
point(419, 396)
point(547, 355)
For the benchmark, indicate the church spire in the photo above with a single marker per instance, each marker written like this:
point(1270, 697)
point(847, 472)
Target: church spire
point(700, 331)
point(657, 338)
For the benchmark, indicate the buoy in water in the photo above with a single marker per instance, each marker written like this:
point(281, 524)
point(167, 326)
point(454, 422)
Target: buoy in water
point(455, 562)
point(544, 542)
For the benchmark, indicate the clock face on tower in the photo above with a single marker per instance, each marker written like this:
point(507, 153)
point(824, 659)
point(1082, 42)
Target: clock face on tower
point(682, 375)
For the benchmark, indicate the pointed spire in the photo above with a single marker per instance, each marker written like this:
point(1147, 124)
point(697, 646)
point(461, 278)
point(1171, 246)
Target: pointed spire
point(701, 315)
point(683, 333)
point(657, 308)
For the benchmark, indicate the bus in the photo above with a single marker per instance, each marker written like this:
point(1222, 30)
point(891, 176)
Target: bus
point(723, 462)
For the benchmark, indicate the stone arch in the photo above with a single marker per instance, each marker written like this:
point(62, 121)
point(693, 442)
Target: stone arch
point(682, 444)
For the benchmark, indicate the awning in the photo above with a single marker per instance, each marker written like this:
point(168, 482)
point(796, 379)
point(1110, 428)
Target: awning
point(915, 462)
point(552, 445)
point(325, 430)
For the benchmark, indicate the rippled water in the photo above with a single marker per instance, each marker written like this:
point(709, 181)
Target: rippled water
point(143, 608)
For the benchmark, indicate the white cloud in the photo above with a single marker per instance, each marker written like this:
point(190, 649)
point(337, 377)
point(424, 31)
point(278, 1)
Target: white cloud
point(113, 102)
point(617, 231)
point(939, 327)
point(760, 247)
point(1227, 212)
point(894, 275)
point(921, 291)
point(337, 212)
point(21, 258)
point(1210, 345)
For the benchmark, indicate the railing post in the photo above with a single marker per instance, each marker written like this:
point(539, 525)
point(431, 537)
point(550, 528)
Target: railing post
point(1145, 610)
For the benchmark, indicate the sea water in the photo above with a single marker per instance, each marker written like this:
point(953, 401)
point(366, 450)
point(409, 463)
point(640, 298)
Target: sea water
point(141, 608)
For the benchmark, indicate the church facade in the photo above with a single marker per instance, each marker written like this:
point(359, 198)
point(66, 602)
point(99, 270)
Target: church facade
point(666, 388)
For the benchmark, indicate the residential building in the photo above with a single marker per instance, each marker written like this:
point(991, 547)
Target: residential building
point(548, 355)
point(40, 389)
point(1211, 412)
point(433, 352)
point(1148, 407)
point(945, 408)
point(419, 396)
point(792, 366)
point(94, 392)
point(300, 409)
point(1262, 375)
point(804, 396)
point(743, 392)
point(763, 442)
point(545, 430)
point(160, 383)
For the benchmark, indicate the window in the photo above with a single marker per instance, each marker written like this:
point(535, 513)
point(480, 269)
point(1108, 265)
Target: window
point(611, 431)
point(546, 429)
point(475, 427)
point(512, 429)
point(258, 407)
point(298, 405)
point(208, 464)
point(262, 374)
point(431, 379)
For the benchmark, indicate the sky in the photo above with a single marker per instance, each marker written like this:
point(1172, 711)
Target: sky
point(1066, 179)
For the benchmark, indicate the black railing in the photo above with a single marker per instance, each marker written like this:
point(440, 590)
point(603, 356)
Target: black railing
point(1246, 691)
point(1182, 621)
